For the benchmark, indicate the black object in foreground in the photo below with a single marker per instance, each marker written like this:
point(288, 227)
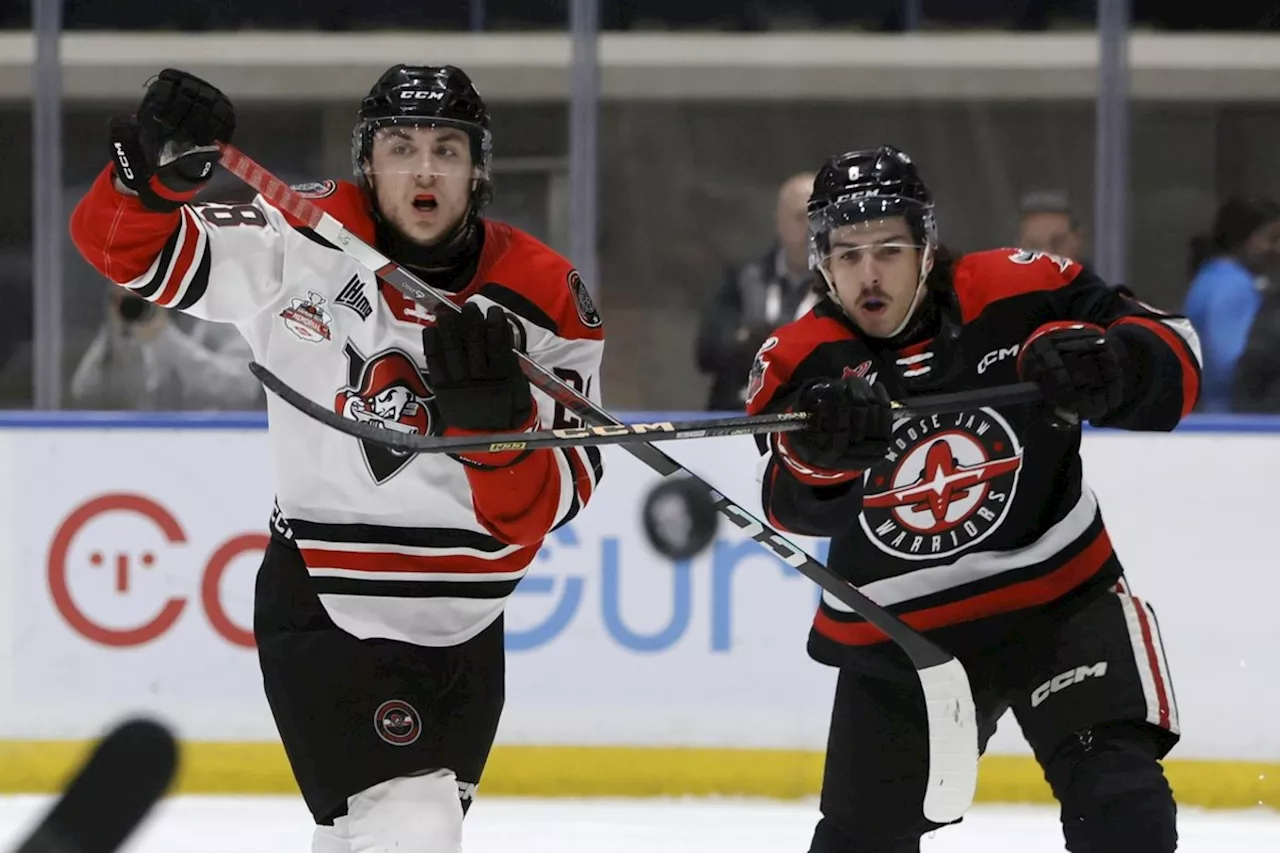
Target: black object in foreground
point(128, 772)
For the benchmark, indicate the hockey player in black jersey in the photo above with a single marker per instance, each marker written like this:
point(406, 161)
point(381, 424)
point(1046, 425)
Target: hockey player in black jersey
point(977, 527)
point(378, 611)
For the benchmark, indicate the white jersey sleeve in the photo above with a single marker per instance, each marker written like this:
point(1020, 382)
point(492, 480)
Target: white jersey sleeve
point(224, 262)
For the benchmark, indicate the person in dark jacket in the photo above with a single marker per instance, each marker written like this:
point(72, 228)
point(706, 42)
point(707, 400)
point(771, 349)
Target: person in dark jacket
point(1256, 387)
point(755, 299)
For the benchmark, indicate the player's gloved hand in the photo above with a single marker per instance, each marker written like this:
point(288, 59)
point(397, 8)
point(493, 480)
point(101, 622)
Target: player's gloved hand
point(851, 423)
point(166, 152)
point(1078, 367)
point(473, 370)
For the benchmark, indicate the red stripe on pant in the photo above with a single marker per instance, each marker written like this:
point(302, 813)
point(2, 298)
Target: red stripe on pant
point(1153, 660)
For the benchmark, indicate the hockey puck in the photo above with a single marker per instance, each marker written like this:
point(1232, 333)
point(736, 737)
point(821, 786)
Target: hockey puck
point(680, 518)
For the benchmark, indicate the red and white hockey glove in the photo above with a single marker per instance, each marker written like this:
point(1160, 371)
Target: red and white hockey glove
point(1077, 366)
point(850, 425)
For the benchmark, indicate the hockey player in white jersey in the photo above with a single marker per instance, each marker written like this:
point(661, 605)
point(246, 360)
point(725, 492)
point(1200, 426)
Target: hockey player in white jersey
point(378, 608)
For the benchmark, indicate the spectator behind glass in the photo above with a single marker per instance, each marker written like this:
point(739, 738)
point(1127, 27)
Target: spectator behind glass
point(142, 359)
point(1229, 268)
point(757, 298)
point(1047, 224)
point(1256, 388)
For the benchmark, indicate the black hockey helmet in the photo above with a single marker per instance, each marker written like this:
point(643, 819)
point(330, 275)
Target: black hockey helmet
point(861, 186)
point(434, 95)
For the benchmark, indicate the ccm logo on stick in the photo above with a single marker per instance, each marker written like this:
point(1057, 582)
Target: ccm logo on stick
point(612, 429)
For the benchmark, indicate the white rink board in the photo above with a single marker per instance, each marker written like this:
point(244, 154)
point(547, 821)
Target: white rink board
point(610, 644)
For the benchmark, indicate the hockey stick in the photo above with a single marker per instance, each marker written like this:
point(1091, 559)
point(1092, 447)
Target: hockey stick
point(500, 442)
point(953, 730)
point(129, 770)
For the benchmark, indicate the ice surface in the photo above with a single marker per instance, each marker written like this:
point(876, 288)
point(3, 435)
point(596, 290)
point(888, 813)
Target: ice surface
point(501, 825)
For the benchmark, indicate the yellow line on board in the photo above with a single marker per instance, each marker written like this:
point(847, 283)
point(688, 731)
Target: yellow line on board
point(580, 771)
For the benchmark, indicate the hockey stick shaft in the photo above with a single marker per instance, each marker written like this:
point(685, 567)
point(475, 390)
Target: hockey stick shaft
point(949, 699)
point(282, 196)
point(503, 442)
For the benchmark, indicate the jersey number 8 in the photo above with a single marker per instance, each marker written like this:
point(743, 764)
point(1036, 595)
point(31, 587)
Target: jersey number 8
point(233, 214)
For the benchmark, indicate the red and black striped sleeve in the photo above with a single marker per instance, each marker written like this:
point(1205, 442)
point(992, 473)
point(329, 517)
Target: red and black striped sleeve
point(1162, 351)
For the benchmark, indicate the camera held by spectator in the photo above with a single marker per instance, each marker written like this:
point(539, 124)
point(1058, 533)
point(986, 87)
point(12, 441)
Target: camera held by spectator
point(144, 357)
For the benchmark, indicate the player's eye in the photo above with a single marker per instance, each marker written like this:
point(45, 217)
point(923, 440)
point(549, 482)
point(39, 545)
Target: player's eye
point(400, 149)
point(446, 151)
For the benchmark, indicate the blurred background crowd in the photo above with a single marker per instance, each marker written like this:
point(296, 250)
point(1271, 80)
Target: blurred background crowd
point(712, 115)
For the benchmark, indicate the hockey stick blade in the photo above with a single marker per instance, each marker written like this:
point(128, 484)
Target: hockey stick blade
point(502, 442)
point(128, 772)
point(949, 793)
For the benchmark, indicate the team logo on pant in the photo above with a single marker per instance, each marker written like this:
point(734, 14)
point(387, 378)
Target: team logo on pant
point(946, 485)
point(386, 391)
point(397, 722)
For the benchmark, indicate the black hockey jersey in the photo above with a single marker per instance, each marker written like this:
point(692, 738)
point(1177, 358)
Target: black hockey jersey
point(979, 515)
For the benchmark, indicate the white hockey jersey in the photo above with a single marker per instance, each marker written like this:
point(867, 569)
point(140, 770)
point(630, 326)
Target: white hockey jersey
point(418, 548)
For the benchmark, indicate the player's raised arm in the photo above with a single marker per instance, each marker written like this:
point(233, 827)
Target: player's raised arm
point(139, 227)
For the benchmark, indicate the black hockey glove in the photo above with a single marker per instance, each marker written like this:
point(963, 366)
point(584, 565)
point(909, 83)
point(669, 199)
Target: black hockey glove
point(166, 153)
point(851, 424)
point(473, 370)
point(1077, 366)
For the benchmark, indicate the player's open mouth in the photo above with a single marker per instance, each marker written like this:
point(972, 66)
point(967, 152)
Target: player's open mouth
point(873, 305)
point(424, 203)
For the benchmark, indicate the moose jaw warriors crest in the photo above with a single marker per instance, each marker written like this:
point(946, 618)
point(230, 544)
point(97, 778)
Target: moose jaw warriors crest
point(386, 391)
point(946, 485)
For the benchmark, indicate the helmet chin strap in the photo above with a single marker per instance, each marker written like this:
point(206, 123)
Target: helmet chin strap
point(925, 257)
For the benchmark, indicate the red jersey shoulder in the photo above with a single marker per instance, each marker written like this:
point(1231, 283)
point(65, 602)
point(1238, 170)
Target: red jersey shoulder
point(342, 200)
point(982, 278)
point(786, 348)
point(519, 262)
